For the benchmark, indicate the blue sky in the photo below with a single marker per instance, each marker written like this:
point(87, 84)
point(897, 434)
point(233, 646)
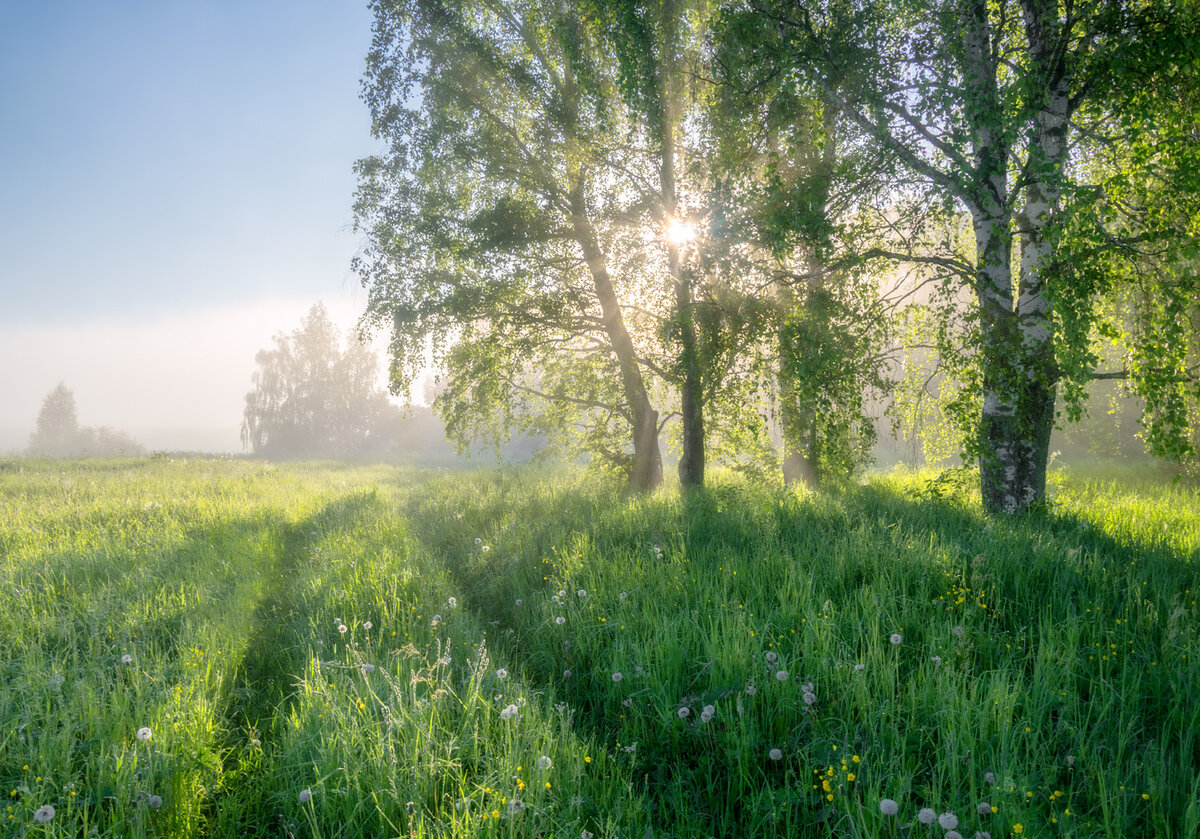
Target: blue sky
point(168, 169)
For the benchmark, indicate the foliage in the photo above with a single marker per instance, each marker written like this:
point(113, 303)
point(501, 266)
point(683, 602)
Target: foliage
point(314, 398)
point(58, 433)
point(1045, 664)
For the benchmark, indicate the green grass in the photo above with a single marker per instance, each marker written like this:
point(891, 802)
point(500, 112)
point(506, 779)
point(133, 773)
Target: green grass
point(1047, 666)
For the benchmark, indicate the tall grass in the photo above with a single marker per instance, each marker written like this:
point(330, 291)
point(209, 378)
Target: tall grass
point(329, 651)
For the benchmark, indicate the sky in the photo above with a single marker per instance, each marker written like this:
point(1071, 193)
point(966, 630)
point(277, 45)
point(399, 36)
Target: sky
point(176, 187)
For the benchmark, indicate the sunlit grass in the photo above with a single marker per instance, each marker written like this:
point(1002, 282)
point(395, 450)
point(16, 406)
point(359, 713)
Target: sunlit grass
point(530, 654)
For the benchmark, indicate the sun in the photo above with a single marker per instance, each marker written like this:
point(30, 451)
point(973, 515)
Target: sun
point(680, 231)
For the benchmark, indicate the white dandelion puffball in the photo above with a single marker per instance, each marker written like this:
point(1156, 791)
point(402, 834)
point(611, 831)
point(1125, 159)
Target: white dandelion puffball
point(501, 673)
point(982, 834)
point(616, 677)
point(554, 598)
point(984, 808)
point(368, 625)
point(775, 754)
point(566, 674)
point(952, 834)
point(926, 815)
point(337, 620)
point(585, 835)
point(562, 592)
point(452, 602)
point(622, 595)
point(144, 733)
point(771, 656)
point(627, 702)
point(889, 807)
point(937, 660)
point(519, 601)
point(368, 667)
point(683, 712)
point(809, 698)
point(305, 796)
point(751, 690)
point(155, 801)
point(989, 777)
point(948, 821)
point(478, 541)
point(959, 632)
point(544, 763)
point(782, 675)
point(342, 628)
point(858, 668)
point(581, 593)
point(509, 712)
point(707, 713)
point(485, 549)
point(44, 813)
point(127, 659)
point(896, 638)
point(560, 620)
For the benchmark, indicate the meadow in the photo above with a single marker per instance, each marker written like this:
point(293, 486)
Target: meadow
point(241, 649)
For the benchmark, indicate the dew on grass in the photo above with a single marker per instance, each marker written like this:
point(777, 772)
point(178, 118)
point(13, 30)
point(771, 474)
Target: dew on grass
point(144, 733)
point(44, 813)
point(926, 815)
point(305, 796)
point(889, 807)
point(775, 754)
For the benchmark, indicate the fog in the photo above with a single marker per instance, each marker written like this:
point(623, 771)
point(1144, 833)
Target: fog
point(174, 382)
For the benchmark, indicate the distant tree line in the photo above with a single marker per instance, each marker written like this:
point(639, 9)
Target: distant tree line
point(58, 433)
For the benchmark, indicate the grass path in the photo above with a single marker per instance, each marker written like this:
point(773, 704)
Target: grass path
point(333, 651)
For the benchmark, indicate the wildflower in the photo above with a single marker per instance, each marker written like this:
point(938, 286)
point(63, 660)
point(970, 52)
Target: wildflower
point(782, 675)
point(562, 592)
point(984, 809)
point(937, 659)
point(305, 796)
point(44, 813)
point(566, 674)
point(501, 673)
point(452, 602)
point(616, 677)
point(889, 807)
point(368, 625)
point(775, 754)
point(144, 733)
point(810, 698)
point(554, 598)
point(368, 667)
point(683, 712)
point(707, 713)
point(948, 821)
point(485, 549)
point(771, 656)
point(989, 777)
point(926, 815)
point(544, 763)
point(751, 689)
point(1018, 829)
point(952, 834)
point(519, 601)
point(896, 638)
point(560, 620)
point(342, 628)
point(509, 712)
point(581, 593)
point(623, 595)
point(127, 659)
point(860, 667)
point(155, 801)
point(478, 541)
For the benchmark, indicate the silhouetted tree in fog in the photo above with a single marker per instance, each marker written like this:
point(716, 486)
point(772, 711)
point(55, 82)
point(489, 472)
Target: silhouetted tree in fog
point(58, 433)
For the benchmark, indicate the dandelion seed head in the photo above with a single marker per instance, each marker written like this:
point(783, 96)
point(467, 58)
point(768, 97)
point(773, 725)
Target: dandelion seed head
point(566, 674)
point(952, 834)
point(984, 808)
point(144, 733)
point(368, 625)
point(501, 673)
point(305, 796)
point(452, 602)
point(616, 677)
point(775, 754)
point(560, 620)
point(622, 595)
point(520, 601)
point(771, 655)
point(127, 659)
point(989, 777)
point(478, 541)
point(896, 638)
point(368, 667)
point(342, 628)
point(585, 835)
point(155, 801)
point(684, 712)
point(581, 593)
point(860, 667)
point(809, 698)
point(44, 813)
point(485, 549)
point(782, 675)
point(751, 690)
point(959, 632)
point(926, 815)
point(562, 592)
point(707, 713)
point(889, 807)
point(544, 763)
point(509, 712)
point(982, 834)
point(948, 821)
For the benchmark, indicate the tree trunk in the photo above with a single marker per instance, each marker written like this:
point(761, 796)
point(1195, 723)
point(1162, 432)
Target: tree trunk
point(797, 424)
point(646, 471)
